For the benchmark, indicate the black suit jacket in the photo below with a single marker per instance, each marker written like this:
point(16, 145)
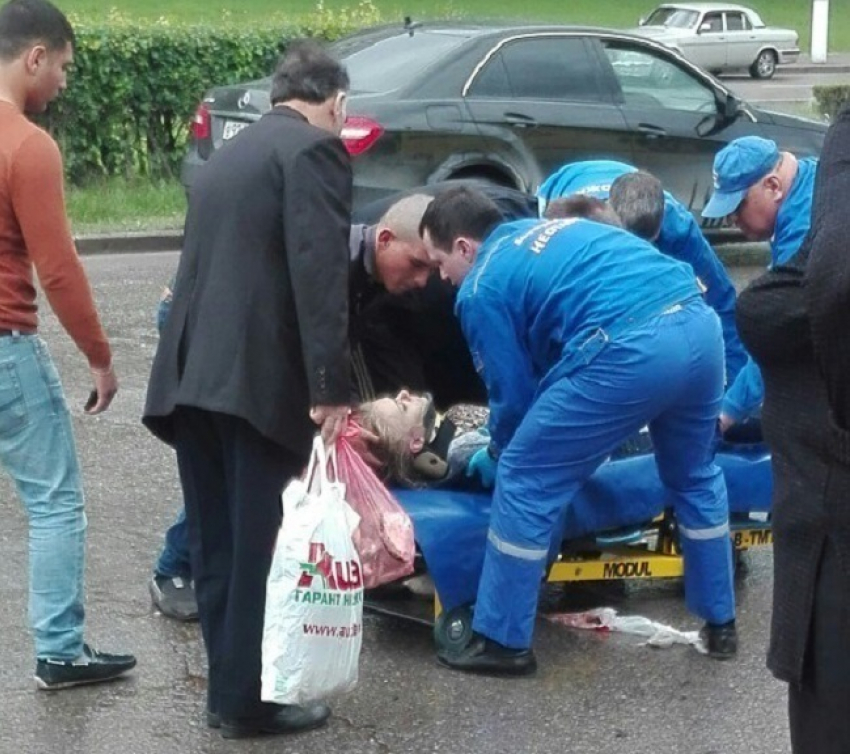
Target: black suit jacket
point(259, 324)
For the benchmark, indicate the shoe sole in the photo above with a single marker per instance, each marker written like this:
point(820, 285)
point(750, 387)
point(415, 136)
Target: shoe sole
point(42, 685)
point(518, 673)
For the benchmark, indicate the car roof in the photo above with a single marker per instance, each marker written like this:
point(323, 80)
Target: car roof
point(706, 7)
point(479, 29)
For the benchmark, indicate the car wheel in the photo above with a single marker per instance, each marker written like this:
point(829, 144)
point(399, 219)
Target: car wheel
point(764, 65)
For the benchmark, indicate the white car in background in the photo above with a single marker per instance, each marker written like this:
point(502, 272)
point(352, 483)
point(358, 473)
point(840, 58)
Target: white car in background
point(719, 37)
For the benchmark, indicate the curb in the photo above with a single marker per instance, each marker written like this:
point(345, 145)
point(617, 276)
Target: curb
point(815, 68)
point(129, 243)
point(731, 254)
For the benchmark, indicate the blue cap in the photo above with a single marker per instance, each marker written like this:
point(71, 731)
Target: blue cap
point(738, 167)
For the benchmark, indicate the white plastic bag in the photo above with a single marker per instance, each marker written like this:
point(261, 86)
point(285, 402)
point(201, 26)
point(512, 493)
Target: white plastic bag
point(607, 619)
point(314, 595)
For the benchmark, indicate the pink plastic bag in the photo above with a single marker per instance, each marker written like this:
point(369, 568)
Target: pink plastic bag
point(384, 538)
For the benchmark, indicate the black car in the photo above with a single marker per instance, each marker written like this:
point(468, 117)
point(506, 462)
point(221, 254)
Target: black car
point(510, 104)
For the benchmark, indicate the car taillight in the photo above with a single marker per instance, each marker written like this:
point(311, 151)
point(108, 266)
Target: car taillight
point(359, 134)
point(201, 123)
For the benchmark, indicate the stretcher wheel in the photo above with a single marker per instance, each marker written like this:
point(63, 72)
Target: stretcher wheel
point(453, 628)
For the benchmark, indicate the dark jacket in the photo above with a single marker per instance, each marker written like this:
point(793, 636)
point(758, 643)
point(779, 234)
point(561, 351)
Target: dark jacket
point(414, 340)
point(774, 326)
point(259, 323)
point(789, 322)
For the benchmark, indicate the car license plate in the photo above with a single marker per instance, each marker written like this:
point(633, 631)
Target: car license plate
point(231, 128)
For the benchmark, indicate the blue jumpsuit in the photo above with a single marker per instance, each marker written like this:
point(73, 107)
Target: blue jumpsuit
point(680, 238)
point(583, 334)
point(746, 394)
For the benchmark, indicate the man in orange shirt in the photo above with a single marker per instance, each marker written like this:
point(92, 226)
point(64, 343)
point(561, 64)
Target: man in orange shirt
point(36, 436)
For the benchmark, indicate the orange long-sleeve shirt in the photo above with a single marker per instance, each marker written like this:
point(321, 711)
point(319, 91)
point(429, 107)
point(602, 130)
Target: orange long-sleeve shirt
point(34, 233)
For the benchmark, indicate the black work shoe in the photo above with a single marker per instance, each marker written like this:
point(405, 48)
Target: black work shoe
point(488, 657)
point(721, 641)
point(91, 667)
point(290, 718)
point(174, 597)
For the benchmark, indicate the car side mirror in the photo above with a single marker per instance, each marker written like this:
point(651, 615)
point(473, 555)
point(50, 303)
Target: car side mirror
point(641, 21)
point(728, 110)
point(703, 28)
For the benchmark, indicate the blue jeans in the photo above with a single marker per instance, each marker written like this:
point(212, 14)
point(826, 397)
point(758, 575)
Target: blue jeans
point(37, 449)
point(174, 559)
point(667, 373)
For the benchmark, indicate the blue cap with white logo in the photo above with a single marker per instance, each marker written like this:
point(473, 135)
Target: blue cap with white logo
point(738, 167)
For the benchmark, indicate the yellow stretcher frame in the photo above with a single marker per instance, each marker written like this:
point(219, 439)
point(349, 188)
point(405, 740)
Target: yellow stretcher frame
point(633, 562)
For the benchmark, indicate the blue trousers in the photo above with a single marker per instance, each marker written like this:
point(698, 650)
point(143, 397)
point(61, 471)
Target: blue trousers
point(174, 560)
point(37, 450)
point(667, 373)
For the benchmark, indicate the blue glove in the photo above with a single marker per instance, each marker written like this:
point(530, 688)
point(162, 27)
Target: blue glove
point(483, 464)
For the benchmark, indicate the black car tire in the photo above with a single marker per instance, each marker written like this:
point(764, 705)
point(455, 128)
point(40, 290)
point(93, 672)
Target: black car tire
point(764, 66)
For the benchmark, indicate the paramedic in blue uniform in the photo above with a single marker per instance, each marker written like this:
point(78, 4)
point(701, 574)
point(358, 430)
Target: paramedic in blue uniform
point(680, 237)
point(767, 194)
point(583, 334)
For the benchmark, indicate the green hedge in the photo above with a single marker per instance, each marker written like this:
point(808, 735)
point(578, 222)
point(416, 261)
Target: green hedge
point(133, 90)
point(830, 99)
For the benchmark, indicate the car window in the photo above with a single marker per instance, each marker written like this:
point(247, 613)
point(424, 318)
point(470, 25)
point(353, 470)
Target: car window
point(736, 22)
point(387, 64)
point(648, 79)
point(675, 18)
point(544, 68)
point(711, 23)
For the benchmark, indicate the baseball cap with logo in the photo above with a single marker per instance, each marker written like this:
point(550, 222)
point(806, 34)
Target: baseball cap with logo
point(738, 167)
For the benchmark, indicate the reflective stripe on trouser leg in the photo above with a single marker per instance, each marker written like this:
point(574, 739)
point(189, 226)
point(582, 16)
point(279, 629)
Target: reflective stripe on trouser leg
point(707, 550)
point(506, 609)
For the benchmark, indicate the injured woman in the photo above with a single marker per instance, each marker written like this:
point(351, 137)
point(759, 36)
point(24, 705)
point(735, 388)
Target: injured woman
point(410, 445)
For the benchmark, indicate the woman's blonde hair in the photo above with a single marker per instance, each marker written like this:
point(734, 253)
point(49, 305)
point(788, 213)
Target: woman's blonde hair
point(389, 455)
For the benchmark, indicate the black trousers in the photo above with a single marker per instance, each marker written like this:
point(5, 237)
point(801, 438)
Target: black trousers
point(819, 708)
point(232, 477)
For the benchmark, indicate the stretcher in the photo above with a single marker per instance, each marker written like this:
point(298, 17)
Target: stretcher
point(617, 529)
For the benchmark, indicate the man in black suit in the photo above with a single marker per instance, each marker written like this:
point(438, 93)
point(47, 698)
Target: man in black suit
point(253, 357)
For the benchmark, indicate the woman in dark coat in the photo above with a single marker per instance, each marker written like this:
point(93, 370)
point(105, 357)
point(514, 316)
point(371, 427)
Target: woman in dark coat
point(795, 321)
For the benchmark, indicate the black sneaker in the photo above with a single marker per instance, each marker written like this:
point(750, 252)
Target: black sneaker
point(91, 667)
point(174, 597)
point(721, 641)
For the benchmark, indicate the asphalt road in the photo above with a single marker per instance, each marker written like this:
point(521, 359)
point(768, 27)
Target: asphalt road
point(786, 86)
point(604, 694)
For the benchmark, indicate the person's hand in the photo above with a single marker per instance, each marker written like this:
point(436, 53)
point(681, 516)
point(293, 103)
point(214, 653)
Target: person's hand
point(105, 388)
point(363, 443)
point(331, 420)
point(483, 464)
point(725, 422)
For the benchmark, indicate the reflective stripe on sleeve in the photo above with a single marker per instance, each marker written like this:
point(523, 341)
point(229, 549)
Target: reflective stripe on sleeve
point(523, 553)
point(698, 534)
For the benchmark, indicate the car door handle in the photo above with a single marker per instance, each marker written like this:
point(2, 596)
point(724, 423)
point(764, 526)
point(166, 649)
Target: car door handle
point(519, 120)
point(651, 132)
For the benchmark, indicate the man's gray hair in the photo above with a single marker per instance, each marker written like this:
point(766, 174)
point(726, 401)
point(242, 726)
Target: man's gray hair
point(638, 200)
point(307, 73)
point(403, 217)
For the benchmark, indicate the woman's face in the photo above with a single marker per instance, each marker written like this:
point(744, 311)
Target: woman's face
point(406, 418)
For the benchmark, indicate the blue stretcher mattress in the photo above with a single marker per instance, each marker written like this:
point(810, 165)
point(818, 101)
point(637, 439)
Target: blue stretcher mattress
point(451, 525)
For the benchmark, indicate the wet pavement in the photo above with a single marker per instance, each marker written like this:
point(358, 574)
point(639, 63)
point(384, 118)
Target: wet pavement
point(604, 694)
